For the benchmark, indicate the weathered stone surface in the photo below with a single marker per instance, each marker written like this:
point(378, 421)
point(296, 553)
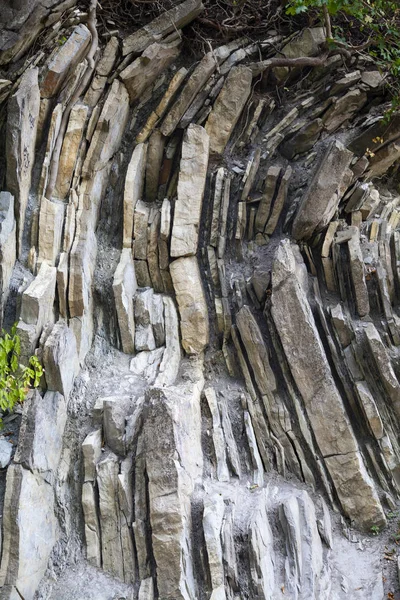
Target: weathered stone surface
point(169, 367)
point(22, 118)
point(196, 81)
point(141, 220)
point(8, 249)
point(115, 411)
point(261, 551)
point(64, 61)
point(109, 129)
point(305, 44)
point(310, 368)
point(357, 275)
point(108, 58)
point(147, 363)
point(91, 448)
point(192, 179)
point(218, 435)
point(343, 109)
point(124, 288)
point(60, 359)
point(317, 206)
point(269, 192)
point(279, 202)
point(5, 453)
point(256, 350)
point(111, 547)
point(30, 530)
point(383, 160)
point(304, 562)
point(51, 220)
point(172, 424)
point(69, 150)
point(38, 298)
point(162, 107)
point(192, 305)
point(370, 409)
point(92, 526)
point(213, 514)
point(171, 20)
point(133, 190)
point(382, 360)
point(303, 140)
point(142, 73)
point(154, 161)
point(228, 107)
point(42, 429)
point(146, 591)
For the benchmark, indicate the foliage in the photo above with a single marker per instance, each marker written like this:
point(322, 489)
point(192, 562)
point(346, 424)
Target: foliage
point(375, 21)
point(15, 379)
point(375, 529)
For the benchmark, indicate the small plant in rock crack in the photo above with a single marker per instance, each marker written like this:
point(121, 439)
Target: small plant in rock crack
point(375, 529)
point(15, 379)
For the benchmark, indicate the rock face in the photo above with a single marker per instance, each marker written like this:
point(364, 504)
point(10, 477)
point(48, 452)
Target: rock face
point(191, 183)
point(192, 305)
point(22, 121)
point(321, 199)
point(212, 289)
point(310, 369)
point(228, 108)
point(67, 57)
point(7, 246)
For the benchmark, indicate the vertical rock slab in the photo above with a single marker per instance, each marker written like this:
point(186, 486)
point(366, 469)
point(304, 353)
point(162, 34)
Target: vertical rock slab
point(261, 552)
point(8, 248)
point(30, 530)
point(213, 515)
point(191, 184)
point(194, 84)
point(22, 119)
point(51, 220)
point(357, 275)
point(228, 107)
point(64, 61)
point(60, 359)
point(169, 366)
point(70, 149)
point(192, 304)
point(92, 526)
point(109, 130)
point(145, 69)
point(133, 190)
point(107, 480)
point(310, 369)
point(172, 424)
point(124, 288)
point(320, 201)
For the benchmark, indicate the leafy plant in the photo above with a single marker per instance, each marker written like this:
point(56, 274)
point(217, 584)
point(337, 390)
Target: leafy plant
point(15, 379)
point(375, 530)
point(377, 22)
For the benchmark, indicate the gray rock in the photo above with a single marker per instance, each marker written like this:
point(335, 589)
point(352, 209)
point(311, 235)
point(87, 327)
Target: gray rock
point(192, 305)
point(60, 359)
point(22, 122)
point(7, 246)
point(310, 368)
point(320, 200)
point(191, 183)
point(5, 453)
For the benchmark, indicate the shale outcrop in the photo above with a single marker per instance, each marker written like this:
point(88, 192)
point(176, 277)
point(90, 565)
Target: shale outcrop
point(209, 273)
